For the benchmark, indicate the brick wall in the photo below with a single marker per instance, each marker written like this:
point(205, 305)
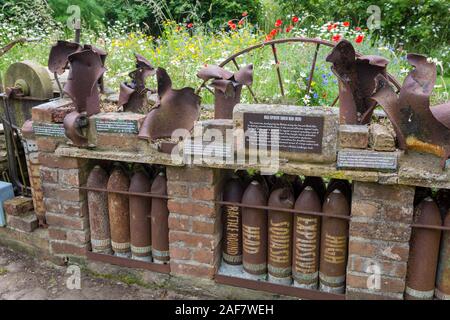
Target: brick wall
point(380, 229)
point(194, 221)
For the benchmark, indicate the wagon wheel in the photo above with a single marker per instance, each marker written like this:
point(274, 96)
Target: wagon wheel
point(273, 43)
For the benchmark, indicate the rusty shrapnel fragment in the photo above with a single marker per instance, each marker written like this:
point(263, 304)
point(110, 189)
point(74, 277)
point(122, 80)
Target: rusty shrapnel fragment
point(280, 236)
point(119, 212)
point(333, 244)
point(58, 59)
point(306, 242)
point(442, 113)
point(423, 253)
point(227, 87)
point(442, 290)
point(98, 211)
point(356, 77)
point(140, 216)
point(160, 221)
point(413, 120)
point(254, 231)
point(232, 222)
point(133, 95)
point(175, 109)
point(317, 184)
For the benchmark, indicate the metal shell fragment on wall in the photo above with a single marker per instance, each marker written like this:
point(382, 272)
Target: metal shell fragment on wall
point(140, 216)
point(58, 59)
point(424, 252)
point(333, 244)
point(254, 231)
point(232, 222)
point(98, 211)
point(306, 242)
point(160, 221)
point(442, 290)
point(280, 236)
point(119, 212)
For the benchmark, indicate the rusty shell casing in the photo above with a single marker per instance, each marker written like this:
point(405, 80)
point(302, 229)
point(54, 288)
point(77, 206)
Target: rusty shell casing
point(306, 242)
point(317, 184)
point(280, 236)
point(140, 215)
point(442, 291)
point(333, 244)
point(254, 231)
point(98, 211)
point(119, 212)
point(160, 221)
point(232, 222)
point(343, 185)
point(224, 103)
point(423, 253)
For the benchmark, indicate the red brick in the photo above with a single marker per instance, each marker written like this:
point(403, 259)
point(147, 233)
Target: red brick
point(75, 209)
point(70, 177)
point(177, 189)
point(57, 234)
point(368, 190)
point(362, 208)
point(192, 270)
point(387, 267)
point(204, 256)
point(67, 248)
point(192, 240)
point(388, 284)
point(398, 213)
point(52, 205)
point(125, 142)
point(53, 161)
point(49, 175)
point(58, 220)
point(180, 253)
point(26, 223)
point(47, 144)
point(180, 223)
point(66, 194)
point(191, 174)
point(51, 111)
point(18, 206)
point(386, 250)
point(383, 230)
point(203, 193)
point(78, 237)
point(360, 294)
point(192, 209)
point(205, 227)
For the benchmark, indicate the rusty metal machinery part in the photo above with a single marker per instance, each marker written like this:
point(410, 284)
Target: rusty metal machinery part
point(98, 211)
point(140, 216)
point(442, 113)
point(58, 59)
point(254, 231)
point(356, 77)
point(442, 290)
point(119, 212)
point(306, 240)
point(227, 87)
point(317, 184)
point(333, 244)
point(232, 222)
point(423, 252)
point(176, 109)
point(74, 124)
point(160, 221)
point(280, 236)
point(133, 96)
point(413, 121)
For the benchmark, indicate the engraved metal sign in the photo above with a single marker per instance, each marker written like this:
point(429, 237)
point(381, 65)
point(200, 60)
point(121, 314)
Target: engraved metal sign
point(366, 159)
point(49, 130)
point(297, 133)
point(116, 126)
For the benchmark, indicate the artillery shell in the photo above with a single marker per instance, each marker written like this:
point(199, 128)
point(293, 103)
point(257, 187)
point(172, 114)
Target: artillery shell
point(343, 185)
point(254, 231)
point(317, 184)
point(232, 222)
point(280, 236)
point(442, 291)
point(140, 215)
point(306, 243)
point(119, 212)
point(333, 244)
point(423, 252)
point(160, 221)
point(98, 211)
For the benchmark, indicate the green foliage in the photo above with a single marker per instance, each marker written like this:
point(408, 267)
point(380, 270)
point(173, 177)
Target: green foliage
point(92, 11)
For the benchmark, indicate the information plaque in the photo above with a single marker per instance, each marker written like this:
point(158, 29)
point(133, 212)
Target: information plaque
point(49, 130)
point(367, 159)
point(297, 133)
point(116, 126)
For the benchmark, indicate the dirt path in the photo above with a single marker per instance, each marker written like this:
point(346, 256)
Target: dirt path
point(23, 277)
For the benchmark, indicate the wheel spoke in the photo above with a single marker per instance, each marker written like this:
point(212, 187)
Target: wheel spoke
point(248, 87)
point(277, 65)
point(313, 66)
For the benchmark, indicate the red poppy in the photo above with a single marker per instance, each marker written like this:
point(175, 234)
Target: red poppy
point(330, 27)
point(336, 38)
point(294, 19)
point(189, 25)
point(244, 14)
point(233, 26)
point(288, 29)
point(274, 32)
point(278, 23)
point(359, 38)
point(241, 22)
point(346, 24)
point(230, 22)
point(269, 37)
point(358, 28)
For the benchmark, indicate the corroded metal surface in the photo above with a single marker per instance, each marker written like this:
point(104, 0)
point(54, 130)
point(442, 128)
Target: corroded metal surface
point(232, 222)
point(227, 87)
point(317, 184)
point(333, 244)
point(140, 215)
point(342, 185)
point(133, 95)
point(98, 211)
point(356, 82)
point(119, 212)
point(424, 252)
point(414, 123)
point(74, 123)
point(306, 242)
point(58, 58)
point(176, 109)
point(160, 221)
point(442, 113)
point(442, 290)
point(254, 226)
point(280, 236)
